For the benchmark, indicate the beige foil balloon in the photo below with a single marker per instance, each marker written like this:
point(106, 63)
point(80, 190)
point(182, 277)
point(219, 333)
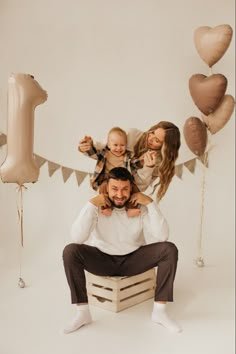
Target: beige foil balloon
point(217, 120)
point(212, 43)
point(207, 92)
point(24, 94)
point(195, 134)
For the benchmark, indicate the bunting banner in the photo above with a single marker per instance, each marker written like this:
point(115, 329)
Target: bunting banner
point(66, 172)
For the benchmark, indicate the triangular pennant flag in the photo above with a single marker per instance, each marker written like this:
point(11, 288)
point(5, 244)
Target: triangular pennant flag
point(190, 165)
point(179, 170)
point(66, 172)
point(3, 139)
point(204, 159)
point(80, 176)
point(39, 160)
point(52, 167)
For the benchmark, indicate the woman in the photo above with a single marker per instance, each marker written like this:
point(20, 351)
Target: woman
point(159, 147)
point(163, 139)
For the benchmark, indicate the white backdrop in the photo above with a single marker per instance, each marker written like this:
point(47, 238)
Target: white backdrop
point(106, 63)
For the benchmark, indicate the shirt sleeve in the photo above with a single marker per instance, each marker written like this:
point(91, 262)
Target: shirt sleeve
point(143, 177)
point(133, 135)
point(84, 223)
point(155, 226)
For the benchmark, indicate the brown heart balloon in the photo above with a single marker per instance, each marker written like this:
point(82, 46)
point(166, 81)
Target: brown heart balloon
point(212, 43)
point(207, 92)
point(195, 134)
point(217, 120)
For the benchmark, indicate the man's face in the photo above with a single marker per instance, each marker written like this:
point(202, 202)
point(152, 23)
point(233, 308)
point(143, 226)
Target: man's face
point(118, 192)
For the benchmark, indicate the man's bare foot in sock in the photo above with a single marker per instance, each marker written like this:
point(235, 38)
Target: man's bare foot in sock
point(82, 318)
point(160, 316)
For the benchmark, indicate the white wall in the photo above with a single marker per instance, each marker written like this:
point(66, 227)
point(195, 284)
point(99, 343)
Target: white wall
point(106, 63)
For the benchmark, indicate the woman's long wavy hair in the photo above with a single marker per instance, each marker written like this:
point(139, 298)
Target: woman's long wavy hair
point(169, 153)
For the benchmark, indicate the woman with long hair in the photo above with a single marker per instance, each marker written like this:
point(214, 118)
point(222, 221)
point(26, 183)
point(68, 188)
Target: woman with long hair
point(160, 144)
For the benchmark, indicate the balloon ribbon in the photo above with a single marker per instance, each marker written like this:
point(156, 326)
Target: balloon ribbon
point(20, 211)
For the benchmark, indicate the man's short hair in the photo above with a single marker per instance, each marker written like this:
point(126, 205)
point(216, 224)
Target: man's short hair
point(120, 173)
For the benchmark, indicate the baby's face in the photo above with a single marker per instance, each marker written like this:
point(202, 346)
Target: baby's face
point(117, 143)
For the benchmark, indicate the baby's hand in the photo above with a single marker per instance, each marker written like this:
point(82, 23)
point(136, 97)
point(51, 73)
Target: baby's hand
point(85, 144)
point(150, 158)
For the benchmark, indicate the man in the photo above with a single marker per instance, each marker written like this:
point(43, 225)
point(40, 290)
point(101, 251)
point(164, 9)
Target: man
point(119, 245)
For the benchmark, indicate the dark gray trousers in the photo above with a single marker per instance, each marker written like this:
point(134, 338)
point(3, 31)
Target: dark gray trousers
point(78, 258)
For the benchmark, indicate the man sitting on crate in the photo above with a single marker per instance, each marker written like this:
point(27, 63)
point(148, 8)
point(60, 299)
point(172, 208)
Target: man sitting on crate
point(118, 245)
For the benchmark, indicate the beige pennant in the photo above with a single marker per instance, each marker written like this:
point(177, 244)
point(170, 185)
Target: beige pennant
point(52, 168)
point(204, 159)
point(3, 139)
point(66, 172)
point(39, 160)
point(80, 176)
point(190, 165)
point(179, 170)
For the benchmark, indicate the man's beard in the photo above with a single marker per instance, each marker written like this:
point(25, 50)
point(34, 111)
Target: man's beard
point(118, 206)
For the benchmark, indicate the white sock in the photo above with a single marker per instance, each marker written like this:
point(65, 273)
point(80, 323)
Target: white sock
point(81, 318)
point(160, 316)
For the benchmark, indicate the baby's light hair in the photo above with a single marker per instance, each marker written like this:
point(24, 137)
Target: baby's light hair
point(119, 131)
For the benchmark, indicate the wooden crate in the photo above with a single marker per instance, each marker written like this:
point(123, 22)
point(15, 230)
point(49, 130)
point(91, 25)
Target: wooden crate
point(118, 293)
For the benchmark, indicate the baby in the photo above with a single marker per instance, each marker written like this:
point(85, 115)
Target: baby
point(114, 154)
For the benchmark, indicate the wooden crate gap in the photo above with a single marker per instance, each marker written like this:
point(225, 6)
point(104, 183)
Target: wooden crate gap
point(137, 283)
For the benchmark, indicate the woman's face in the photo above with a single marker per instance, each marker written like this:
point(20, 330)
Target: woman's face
point(156, 139)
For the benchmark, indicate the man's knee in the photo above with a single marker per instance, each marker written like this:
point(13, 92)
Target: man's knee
point(172, 250)
point(69, 252)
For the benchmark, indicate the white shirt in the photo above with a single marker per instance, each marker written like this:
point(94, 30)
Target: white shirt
point(119, 234)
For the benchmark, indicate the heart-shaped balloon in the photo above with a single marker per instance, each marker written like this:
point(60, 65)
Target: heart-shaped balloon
point(212, 43)
point(195, 133)
point(207, 92)
point(217, 120)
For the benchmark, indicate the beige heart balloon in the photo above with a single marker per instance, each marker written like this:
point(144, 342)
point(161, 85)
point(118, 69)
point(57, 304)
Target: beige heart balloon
point(207, 92)
point(217, 120)
point(212, 43)
point(195, 134)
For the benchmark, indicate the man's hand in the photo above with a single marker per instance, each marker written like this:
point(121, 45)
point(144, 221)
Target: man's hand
point(101, 200)
point(150, 158)
point(85, 144)
point(140, 198)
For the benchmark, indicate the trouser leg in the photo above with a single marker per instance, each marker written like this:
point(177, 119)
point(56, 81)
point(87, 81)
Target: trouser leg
point(77, 259)
point(161, 254)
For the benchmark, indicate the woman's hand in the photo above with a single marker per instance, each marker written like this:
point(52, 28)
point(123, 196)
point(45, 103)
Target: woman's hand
point(85, 144)
point(150, 158)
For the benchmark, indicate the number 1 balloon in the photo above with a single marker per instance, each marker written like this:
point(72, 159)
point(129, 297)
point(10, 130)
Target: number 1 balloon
point(24, 94)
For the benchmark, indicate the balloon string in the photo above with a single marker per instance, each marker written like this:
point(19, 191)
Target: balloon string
point(20, 211)
point(205, 162)
point(203, 187)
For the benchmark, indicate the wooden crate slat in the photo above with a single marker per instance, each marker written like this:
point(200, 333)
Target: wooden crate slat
point(106, 294)
point(136, 278)
point(107, 305)
point(106, 282)
point(135, 300)
point(136, 289)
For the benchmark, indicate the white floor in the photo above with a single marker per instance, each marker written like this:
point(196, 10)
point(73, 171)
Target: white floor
point(32, 318)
